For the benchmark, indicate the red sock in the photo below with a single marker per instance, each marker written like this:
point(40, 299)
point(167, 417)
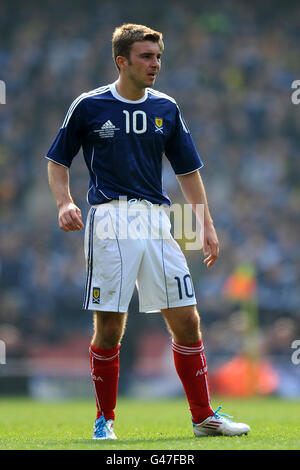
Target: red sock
point(105, 375)
point(191, 367)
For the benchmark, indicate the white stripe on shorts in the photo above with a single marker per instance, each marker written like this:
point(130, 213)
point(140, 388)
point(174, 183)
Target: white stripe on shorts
point(90, 259)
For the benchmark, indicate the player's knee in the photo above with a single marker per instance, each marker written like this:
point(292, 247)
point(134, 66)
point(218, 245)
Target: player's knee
point(189, 328)
point(191, 322)
point(109, 330)
point(184, 324)
point(113, 330)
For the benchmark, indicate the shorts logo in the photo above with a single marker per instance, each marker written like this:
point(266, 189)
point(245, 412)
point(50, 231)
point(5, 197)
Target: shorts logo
point(96, 295)
point(159, 125)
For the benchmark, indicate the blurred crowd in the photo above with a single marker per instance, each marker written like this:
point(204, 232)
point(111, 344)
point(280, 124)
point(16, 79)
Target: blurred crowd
point(230, 68)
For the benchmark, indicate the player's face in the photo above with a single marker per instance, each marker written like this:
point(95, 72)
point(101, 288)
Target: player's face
point(144, 63)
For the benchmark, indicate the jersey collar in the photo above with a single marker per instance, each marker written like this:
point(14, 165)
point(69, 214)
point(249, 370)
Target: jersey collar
point(116, 95)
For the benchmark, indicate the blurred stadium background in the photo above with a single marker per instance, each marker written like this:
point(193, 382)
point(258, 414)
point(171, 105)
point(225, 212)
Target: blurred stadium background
point(230, 66)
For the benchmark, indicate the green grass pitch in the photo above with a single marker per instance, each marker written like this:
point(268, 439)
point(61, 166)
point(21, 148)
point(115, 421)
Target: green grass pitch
point(26, 424)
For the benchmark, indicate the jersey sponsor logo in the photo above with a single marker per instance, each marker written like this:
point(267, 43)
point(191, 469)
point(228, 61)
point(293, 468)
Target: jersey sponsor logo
point(96, 295)
point(107, 130)
point(159, 125)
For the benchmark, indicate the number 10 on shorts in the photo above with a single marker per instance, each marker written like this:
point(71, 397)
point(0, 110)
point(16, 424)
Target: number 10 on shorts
point(185, 286)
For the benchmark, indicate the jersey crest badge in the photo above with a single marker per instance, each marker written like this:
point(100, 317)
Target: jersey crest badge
point(159, 125)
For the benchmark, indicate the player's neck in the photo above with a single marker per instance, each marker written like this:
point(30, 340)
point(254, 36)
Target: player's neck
point(129, 90)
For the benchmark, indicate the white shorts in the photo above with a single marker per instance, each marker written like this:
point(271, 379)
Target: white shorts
point(129, 243)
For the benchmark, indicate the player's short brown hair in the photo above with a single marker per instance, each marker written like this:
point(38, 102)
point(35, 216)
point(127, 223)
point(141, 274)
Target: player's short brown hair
point(124, 36)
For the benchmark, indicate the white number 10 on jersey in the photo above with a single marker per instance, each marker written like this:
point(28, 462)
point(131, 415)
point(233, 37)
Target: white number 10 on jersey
point(134, 121)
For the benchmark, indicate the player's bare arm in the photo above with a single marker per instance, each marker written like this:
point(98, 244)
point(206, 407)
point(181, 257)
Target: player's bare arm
point(193, 189)
point(69, 215)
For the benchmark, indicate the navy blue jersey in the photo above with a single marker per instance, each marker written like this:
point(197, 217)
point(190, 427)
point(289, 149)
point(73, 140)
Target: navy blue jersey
point(123, 142)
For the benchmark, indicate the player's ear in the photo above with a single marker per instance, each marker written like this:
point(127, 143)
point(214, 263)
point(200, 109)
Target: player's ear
point(122, 62)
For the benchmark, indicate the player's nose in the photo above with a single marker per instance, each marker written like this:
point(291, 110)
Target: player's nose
point(155, 63)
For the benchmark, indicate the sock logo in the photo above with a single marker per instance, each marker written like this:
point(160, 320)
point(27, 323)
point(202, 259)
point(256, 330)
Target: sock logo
point(96, 295)
point(201, 372)
point(95, 378)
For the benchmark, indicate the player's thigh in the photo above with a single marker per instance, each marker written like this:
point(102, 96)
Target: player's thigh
point(112, 267)
point(164, 279)
point(103, 320)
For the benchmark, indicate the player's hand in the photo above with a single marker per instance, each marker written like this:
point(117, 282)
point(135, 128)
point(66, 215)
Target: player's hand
point(210, 245)
point(69, 217)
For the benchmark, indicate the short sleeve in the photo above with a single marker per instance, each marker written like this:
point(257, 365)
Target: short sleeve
point(69, 138)
point(180, 149)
